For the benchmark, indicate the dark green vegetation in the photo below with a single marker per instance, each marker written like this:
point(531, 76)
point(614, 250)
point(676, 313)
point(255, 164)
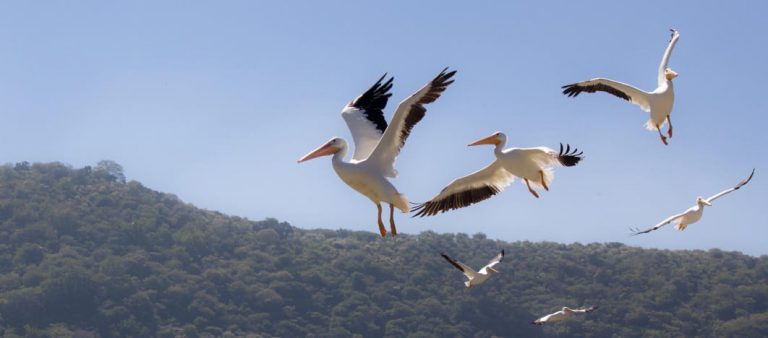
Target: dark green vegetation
point(84, 254)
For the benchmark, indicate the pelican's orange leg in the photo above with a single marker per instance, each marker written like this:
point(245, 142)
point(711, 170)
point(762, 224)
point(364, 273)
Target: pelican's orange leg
point(382, 230)
point(663, 138)
point(535, 194)
point(669, 131)
point(392, 220)
point(543, 182)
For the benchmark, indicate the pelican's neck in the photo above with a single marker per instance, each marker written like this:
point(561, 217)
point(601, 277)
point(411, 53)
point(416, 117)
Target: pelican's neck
point(338, 157)
point(499, 149)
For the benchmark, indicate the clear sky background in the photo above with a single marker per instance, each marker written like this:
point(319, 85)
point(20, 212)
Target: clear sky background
point(215, 102)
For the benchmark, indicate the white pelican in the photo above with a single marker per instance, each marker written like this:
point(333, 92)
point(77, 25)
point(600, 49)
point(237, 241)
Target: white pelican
point(376, 144)
point(533, 165)
point(479, 277)
point(658, 102)
point(562, 314)
point(693, 214)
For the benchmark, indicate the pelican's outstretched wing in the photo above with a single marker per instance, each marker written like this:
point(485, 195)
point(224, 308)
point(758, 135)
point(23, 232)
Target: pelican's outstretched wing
point(552, 317)
point(495, 260)
point(618, 89)
point(408, 113)
point(724, 192)
point(585, 310)
point(670, 219)
point(365, 117)
point(667, 53)
point(467, 190)
point(461, 266)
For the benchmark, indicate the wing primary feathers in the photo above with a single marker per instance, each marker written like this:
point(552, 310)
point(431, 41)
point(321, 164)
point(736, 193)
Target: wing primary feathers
point(737, 187)
point(417, 110)
point(569, 158)
point(455, 201)
point(373, 102)
point(742, 183)
point(498, 258)
point(574, 89)
point(452, 261)
point(637, 231)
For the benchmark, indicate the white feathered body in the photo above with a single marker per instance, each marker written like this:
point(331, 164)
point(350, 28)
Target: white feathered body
point(368, 181)
point(479, 278)
point(527, 162)
point(692, 215)
point(660, 102)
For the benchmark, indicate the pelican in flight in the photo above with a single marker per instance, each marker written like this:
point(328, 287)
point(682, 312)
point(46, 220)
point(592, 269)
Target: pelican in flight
point(658, 102)
point(376, 144)
point(533, 165)
point(693, 214)
point(479, 277)
point(562, 314)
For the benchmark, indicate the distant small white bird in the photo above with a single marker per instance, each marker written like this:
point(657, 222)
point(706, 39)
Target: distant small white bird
point(532, 165)
point(658, 102)
point(479, 277)
point(693, 214)
point(562, 314)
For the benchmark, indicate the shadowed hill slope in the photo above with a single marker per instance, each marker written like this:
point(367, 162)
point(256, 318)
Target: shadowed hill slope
point(84, 254)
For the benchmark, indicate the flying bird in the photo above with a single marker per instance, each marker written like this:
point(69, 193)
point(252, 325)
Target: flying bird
point(658, 102)
point(694, 213)
point(378, 144)
point(479, 277)
point(562, 314)
point(533, 165)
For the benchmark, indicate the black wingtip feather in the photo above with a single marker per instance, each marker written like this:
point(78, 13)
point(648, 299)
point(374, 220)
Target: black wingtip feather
point(569, 158)
point(417, 111)
point(748, 178)
point(574, 89)
point(455, 201)
point(374, 100)
point(452, 261)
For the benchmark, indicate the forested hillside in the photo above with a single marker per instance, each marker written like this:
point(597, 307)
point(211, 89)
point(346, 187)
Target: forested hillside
point(85, 254)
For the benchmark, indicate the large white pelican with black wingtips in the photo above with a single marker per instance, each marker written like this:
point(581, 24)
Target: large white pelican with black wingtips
point(376, 144)
point(476, 277)
point(694, 213)
point(532, 165)
point(562, 314)
point(658, 102)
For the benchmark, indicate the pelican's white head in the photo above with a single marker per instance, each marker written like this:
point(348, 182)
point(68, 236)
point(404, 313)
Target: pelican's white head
point(670, 74)
point(495, 139)
point(331, 147)
point(701, 201)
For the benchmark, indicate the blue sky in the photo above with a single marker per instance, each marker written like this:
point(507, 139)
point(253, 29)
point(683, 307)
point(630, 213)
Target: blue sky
point(215, 101)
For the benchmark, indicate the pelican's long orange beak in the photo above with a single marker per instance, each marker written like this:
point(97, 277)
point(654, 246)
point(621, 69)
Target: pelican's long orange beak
point(325, 149)
point(488, 140)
